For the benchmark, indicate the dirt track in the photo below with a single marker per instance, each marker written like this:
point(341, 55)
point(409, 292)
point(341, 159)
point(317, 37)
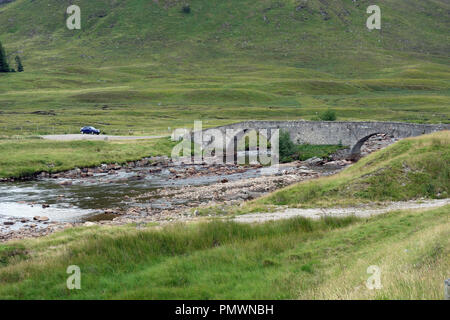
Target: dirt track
point(362, 212)
point(74, 137)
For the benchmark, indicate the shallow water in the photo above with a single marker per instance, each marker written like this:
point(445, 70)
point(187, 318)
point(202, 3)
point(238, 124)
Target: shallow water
point(86, 198)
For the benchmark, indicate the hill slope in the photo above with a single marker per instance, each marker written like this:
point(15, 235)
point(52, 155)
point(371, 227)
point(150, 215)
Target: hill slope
point(138, 64)
point(310, 33)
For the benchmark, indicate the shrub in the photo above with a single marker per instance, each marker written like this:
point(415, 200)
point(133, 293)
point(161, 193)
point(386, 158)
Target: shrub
point(328, 115)
point(291, 152)
point(286, 148)
point(186, 8)
point(19, 64)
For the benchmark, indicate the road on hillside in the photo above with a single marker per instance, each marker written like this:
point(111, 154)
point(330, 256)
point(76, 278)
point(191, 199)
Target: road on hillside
point(74, 137)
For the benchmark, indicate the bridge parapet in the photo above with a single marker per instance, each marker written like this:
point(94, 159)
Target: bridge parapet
point(351, 134)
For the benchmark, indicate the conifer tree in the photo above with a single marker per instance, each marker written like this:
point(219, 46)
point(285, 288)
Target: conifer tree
point(4, 67)
point(19, 64)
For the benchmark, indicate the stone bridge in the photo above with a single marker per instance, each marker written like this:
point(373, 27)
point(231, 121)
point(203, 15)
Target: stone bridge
point(351, 134)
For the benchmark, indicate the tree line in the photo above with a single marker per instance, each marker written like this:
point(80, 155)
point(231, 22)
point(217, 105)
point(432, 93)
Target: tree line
point(4, 66)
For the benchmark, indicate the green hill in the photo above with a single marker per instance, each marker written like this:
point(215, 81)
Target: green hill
point(146, 65)
point(311, 33)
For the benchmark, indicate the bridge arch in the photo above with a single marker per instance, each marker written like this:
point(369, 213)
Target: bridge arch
point(356, 149)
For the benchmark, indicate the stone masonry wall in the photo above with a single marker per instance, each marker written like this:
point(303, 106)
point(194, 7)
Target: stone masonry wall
point(336, 132)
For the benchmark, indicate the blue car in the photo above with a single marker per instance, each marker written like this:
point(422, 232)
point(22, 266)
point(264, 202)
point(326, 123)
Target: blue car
point(89, 130)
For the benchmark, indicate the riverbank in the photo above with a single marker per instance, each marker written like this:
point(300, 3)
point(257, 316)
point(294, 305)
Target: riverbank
point(25, 159)
point(288, 259)
point(153, 249)
point(150, 190)
point(153, 190)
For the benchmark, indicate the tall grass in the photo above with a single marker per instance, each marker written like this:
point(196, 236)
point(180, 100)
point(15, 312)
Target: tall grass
point(277, 260)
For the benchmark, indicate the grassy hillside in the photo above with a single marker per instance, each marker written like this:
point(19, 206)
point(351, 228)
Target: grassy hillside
point(142, 66)
point(266, 29)
point(409, 169)
point(294, 259)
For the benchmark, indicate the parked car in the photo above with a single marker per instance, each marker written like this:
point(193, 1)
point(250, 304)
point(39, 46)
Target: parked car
point(89, 130)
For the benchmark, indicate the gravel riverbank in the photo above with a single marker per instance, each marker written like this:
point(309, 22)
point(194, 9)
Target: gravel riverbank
point(149, 190)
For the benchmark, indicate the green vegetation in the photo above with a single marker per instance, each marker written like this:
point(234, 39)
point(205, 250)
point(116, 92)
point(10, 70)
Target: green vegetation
point(328, 115)
point(308, 151)
point(21, 158)
point(28, 156)
point(139, 67)
point(291, 259)
point(19, 64)
point(409, 169)
point(290, 152)
point(145, 67)
point(186, 9)
point(4, 67)
point(286, 147)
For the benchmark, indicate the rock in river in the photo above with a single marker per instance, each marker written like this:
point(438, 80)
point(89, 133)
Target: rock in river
point(37, 218)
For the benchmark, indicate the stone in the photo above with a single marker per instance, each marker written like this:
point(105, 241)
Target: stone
point(313, 161)
point(41, 218)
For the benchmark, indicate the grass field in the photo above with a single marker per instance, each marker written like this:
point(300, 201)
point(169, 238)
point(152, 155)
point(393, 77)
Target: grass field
point(158, 105)
point(26, 157)
point(140, 67)
point(293, 259)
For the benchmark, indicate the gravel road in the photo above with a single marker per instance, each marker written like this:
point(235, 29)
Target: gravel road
point(317, 213)
point(73, 137)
